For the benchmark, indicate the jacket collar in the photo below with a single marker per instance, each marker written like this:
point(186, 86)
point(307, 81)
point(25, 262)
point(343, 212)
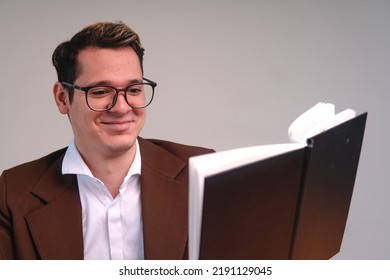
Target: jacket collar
point(56, 228)
point(164, 203)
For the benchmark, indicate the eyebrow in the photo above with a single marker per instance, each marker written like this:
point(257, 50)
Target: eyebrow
point(109, 83)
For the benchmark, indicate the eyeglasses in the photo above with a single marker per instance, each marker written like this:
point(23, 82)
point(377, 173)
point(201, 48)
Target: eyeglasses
point(103, 98)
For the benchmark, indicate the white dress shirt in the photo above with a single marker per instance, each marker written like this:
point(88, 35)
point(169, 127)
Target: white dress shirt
point(112, 227)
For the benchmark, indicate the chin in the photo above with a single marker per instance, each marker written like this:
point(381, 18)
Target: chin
point(120, 147)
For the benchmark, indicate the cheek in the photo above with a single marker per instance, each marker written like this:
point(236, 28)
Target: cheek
point(82, 121)
point(141, 114)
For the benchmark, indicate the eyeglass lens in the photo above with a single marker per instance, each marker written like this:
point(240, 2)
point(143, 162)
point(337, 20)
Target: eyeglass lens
point(104, 98)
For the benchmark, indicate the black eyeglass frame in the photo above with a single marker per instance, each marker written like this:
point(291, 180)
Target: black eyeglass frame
point(117, 90)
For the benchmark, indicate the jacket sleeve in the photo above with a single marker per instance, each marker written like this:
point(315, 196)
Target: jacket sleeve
point(6, 251)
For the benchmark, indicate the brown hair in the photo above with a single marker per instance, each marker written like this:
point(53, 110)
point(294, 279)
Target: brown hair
point(101, 34)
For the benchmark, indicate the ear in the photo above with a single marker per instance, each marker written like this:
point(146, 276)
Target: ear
point(61, 98)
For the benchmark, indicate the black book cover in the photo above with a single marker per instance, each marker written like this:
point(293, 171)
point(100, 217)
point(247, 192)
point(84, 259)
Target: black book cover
point(290, 206)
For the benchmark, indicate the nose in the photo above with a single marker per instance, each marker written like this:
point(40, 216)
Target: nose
point(121, 105)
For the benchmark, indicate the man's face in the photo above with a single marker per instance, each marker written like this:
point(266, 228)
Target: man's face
point(113, 132)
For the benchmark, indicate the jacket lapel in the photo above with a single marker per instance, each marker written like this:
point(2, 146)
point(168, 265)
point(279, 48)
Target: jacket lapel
point(164, 202)
point(56, 228)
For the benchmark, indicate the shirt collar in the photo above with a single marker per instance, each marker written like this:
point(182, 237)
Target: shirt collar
point(73, 163)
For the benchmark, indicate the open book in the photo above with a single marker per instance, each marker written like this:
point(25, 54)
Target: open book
point(273, 201)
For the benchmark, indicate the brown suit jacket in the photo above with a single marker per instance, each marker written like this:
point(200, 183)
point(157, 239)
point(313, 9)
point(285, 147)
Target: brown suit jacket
point(40, 210)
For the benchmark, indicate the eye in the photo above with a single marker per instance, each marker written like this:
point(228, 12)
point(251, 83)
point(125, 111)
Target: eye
point(135, 90)
point(100, 91)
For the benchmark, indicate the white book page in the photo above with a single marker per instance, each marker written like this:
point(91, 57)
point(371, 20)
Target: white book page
point(203, 166)
point(317, 119)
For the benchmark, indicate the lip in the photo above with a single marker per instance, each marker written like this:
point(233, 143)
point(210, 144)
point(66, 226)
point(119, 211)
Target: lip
point(117, 125)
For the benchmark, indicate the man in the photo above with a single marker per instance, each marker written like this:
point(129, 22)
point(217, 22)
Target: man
point(110, 194)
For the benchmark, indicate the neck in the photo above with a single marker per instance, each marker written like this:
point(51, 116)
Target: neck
point(111, 170)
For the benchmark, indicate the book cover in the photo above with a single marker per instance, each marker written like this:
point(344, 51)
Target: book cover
point(284, 201)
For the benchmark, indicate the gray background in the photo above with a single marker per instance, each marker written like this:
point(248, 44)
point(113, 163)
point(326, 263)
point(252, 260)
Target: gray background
point(229, 73)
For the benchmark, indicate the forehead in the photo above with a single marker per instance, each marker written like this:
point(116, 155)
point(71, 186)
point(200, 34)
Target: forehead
point(108, 64)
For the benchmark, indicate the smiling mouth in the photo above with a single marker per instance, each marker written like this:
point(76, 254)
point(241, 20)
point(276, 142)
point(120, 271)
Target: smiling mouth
point(117, 126)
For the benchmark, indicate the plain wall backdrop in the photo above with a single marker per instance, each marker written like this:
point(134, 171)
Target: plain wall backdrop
point(229, 73)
